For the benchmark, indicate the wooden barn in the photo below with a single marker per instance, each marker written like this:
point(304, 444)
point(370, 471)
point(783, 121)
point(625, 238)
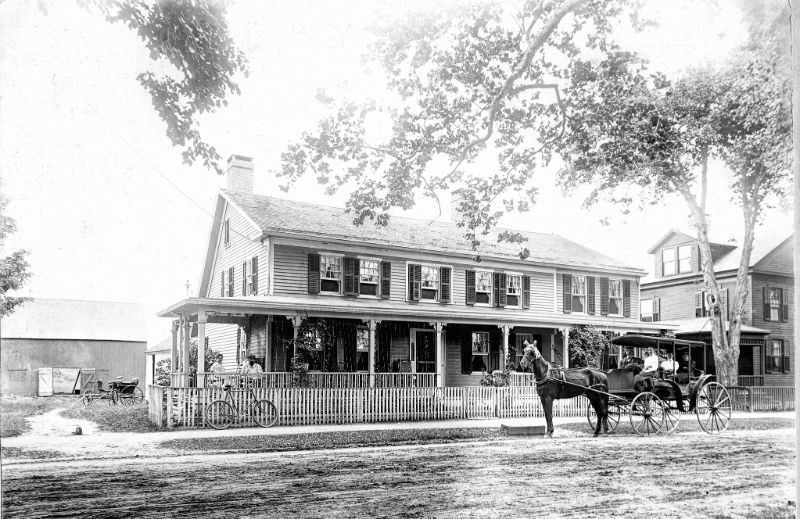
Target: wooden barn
point(53, 339)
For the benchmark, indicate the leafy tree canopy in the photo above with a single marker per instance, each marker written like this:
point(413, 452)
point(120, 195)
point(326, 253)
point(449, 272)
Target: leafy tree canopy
point(14, 268)
point(466, 83)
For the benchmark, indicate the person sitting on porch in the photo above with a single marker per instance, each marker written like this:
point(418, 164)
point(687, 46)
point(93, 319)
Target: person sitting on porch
point(217, 367)
point(251, 367)
point(651, 361)
point(216, 370)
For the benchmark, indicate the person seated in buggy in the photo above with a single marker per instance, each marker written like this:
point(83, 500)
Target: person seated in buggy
point(651, 361)
point(669, 366)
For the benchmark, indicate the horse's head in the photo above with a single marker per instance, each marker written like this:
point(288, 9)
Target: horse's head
point(529, 355)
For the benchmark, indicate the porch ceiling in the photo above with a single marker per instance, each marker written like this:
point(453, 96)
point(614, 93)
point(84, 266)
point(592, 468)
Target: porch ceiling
point(384, 310)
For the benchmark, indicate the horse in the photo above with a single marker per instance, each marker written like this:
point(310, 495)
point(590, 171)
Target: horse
point(557, 383)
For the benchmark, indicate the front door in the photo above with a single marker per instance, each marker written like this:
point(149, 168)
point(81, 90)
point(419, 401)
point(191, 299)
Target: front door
point(423, 351)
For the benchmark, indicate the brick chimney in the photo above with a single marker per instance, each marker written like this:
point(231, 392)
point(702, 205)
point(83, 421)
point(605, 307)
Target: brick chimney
point(240, 174)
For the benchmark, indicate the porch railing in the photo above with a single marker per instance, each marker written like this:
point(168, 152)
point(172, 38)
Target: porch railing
point(522, 379)
point(751, 380)
point(315, 380)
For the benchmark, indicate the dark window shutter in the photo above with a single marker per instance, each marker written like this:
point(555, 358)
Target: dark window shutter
point(349, 276)
point(656, 309)
point(414, 281)
point(698, 304)
point(470, 285)
point(231, 274)
point(590, 295)
point(313, 273)
point(766, 303)
point(466, 351)
point(356, 275)
point(222, 283)
point(526, 291)
point(244, 278)
point(784, 306)
point(603, 296)
point(567, 292)
point(767, 364)
point(386, 279)
point(444, 284)
point(502, 289)
point(785, 363)
point(626, 297)
point(417, 281)
point(254, 266)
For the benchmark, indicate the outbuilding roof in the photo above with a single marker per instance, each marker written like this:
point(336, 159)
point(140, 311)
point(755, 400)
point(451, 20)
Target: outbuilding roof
point(275, 215)
point(42, 318)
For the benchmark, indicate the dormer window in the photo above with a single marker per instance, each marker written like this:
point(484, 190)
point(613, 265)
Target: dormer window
point(676, 260)
point(668, 262)
point(684, 258)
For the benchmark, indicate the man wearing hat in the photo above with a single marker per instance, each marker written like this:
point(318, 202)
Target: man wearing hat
point(251, 367)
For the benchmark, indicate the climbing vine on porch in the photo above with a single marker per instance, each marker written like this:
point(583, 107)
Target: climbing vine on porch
point(314, 338)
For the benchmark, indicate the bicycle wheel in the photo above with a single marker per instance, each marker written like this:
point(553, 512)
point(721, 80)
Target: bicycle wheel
point(219, 414)
point(265, 413)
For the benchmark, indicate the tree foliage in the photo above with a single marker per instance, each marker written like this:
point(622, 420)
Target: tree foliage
point(466, 83)
point(164, 366)
point(587, 345)
point(14, 268)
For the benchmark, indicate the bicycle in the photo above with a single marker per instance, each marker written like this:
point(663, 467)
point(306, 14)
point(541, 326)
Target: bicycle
point(221, 413)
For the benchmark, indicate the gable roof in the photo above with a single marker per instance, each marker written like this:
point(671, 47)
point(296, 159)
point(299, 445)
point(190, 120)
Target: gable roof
point(43, 318)
point(764, 243)
point(306, 220)
point(666, 237)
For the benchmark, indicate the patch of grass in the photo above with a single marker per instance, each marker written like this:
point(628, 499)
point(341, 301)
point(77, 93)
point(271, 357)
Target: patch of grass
point(332, 440)
point(116, 418)
point(689, 423)
point(18, 452)
point(14, 411)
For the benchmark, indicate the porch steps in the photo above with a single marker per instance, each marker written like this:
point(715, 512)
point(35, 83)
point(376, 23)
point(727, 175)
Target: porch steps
point(522, 430)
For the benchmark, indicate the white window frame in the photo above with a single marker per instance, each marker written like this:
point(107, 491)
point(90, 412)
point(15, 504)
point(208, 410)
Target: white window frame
point(574, 294)
point(673, 261)
point(490, 290)
point(519, 295)
point(377, 281)
point(322, 277)
point(438, 283)
point(642, 314)
point(483, 354)
point(250, 290)
point(680, 259)
point(774, 304)
point(618, 297)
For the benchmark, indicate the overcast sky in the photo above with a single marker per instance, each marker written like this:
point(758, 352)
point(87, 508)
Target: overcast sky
point(91, 176)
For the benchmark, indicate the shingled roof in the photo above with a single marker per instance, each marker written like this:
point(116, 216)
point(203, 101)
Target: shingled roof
point(276, 215)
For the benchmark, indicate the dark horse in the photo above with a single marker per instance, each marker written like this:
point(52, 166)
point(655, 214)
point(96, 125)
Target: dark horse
point(556, 384)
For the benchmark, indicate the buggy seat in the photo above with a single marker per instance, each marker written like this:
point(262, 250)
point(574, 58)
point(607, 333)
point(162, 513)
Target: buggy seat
point(620, 380)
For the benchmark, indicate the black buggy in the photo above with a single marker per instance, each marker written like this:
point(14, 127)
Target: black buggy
point(655, 400)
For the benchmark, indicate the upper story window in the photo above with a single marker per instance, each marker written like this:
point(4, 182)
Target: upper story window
point(330, 274)
point(231, 274)
point(646, 310)
point(483, 287)
point(614, 297)
point(579, 293)
point(369, 277)
point(252, 277)
point(429, 288)
point(222, 283)
point(775, 296)
point(668, 262)
point(684, 259)
point(513, 290)
point(429, 283)
point(226, 232)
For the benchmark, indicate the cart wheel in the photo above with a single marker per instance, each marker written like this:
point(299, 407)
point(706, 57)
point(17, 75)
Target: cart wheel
point(219, 414)
point(113, 398)
point(613, 416)
point(137, 397)
point(647, 414)
point(672, 418)
point(713, 408)
point(265, 413)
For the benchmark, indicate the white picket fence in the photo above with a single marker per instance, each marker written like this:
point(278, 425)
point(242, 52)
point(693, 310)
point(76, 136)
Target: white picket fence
point(186, 407)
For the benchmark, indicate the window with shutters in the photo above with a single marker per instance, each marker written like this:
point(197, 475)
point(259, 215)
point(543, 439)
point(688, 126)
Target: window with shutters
point(646, 310)
point(231, 274)
point(773, 362)
point(513, 290)
point(480, 351)
point(429, 286)
point(330, 274)
point(668, 262)
point(369, 277)
point(579, 294)
point(252, 277)
point(483, 287)
point(701, 308)
point(775, 297)
point(684, 259)
point(614, 297)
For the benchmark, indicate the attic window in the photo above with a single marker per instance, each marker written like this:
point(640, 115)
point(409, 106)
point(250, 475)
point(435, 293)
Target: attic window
point(684, 258)
point(668, 262)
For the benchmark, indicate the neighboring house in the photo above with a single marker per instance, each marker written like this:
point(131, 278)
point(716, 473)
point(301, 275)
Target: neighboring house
point(403, 298)
point(66, 334)
point(676, 294)
point(155, 354)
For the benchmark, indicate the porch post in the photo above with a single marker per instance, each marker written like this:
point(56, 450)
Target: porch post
point(565, 334)
point(173, 349)
point(438, 327)
point(268, 355)
point(373, 325)
point(201, 348)
point(187, 332)
point(506, 329)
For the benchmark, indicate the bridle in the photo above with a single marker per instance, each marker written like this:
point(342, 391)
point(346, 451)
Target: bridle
point(536, 356)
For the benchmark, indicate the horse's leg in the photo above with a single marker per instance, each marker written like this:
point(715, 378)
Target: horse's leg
point(598, 410)
point(548, 413)
point(604, 403)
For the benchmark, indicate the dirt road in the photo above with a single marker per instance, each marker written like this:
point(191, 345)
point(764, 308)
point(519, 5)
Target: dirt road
point(740, 474)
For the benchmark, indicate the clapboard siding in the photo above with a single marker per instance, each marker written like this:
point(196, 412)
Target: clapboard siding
point(779, 260)
point(678, 301)
point(778, 330)
point(290, 270)
point(222, 339)
point(241, 248)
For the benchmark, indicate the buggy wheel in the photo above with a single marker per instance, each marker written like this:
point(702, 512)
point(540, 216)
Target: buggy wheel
point(647, 414)
point(219, 414)
point(672, 418)
point(713, 408)
point(137, 397)
point(613, 416)
point(265, 413)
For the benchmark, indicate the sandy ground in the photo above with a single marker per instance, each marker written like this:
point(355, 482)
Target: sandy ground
point(737, 474)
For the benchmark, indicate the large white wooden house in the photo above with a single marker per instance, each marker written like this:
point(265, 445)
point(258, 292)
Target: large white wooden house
point(405, 300)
